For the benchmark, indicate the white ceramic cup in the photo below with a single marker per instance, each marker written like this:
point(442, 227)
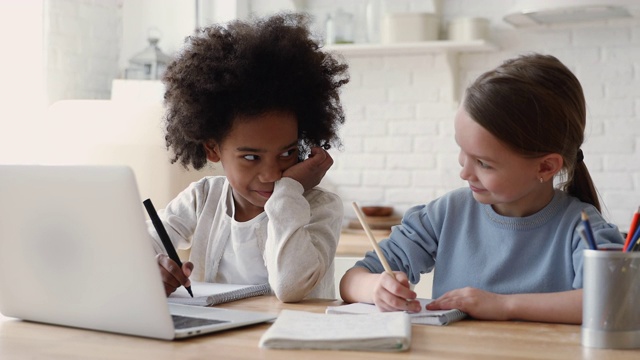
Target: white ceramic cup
point(468, 29)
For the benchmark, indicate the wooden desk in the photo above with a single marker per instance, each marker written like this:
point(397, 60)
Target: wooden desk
point(465, 339)
point(355, 243)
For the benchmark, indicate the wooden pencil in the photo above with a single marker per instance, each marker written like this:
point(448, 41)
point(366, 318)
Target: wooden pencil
point(374, 243)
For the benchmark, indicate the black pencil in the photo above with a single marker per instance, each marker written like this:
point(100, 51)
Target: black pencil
point(162, 232)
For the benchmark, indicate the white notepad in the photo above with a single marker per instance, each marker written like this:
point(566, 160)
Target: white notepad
point(209, 294)
point(294, 329)
point(425, 317)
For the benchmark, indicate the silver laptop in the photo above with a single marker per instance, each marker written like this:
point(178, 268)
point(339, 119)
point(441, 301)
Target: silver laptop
point(74, 251)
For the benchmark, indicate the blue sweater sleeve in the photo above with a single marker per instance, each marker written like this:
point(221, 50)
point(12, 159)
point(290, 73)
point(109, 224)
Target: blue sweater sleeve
point(410, 248)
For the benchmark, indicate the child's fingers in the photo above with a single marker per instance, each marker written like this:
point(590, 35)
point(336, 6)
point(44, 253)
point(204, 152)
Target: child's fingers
point(187, 268)
point(321, 157)
point(399, 285)
point(401, 278)
point(390, 302)
point(310, 172)
point(170, 283)
point(172, 274)
point(394, 294)
point(447, 300)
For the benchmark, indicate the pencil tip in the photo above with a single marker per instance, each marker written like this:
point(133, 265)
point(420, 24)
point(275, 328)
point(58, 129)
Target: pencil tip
point(584, 215)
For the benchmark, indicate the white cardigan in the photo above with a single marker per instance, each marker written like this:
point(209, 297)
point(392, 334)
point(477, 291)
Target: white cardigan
point(298, 237)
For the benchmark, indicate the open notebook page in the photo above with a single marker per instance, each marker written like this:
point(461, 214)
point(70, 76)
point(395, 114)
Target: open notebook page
point(426, 317)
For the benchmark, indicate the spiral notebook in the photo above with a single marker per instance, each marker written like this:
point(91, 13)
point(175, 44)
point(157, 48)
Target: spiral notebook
point(425, 317)
point(209, 294)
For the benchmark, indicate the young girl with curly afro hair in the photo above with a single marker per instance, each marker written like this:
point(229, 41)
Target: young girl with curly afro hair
point(261, 98)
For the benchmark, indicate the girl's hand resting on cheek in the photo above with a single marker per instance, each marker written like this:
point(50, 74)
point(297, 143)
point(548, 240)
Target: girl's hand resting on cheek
point(394, 294)
point(310, 172)
point(479, 304)
point(172, 275)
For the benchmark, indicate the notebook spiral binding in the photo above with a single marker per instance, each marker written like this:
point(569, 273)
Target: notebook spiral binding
point(453, 316)
point(257, 290)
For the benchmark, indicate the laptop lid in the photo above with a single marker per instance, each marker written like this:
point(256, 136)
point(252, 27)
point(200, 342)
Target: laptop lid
point(74, 251)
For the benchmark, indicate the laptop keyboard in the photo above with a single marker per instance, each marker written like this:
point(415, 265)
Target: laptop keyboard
point(185, 322)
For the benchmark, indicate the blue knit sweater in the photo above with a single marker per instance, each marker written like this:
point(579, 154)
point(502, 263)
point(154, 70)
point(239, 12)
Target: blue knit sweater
point(471, 245)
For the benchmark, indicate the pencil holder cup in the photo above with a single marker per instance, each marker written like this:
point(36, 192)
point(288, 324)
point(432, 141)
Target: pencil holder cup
point(611, 299)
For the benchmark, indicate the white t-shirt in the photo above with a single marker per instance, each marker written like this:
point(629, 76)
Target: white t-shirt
point(242, 261)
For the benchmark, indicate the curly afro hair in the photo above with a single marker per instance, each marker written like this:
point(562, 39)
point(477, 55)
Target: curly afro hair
point(249, 68)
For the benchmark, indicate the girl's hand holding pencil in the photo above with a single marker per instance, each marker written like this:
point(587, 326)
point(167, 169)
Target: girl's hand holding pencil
point(391, 291)
point(394, 293)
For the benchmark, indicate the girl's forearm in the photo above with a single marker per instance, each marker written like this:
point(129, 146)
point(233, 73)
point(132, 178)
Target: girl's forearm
point(357, 285)
point(560, 307)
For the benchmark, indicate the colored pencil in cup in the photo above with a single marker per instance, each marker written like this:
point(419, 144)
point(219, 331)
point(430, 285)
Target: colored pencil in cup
point(634, 244)
point(632, 229)
point(589, 232)
point(583, 235)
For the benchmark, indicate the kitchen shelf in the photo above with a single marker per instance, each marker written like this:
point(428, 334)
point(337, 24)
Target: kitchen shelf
point(449, 49)
point(412, 48)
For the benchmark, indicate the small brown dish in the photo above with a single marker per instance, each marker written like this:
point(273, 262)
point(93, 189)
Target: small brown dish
point(377, 210)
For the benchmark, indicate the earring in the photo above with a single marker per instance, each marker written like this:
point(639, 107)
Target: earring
point(541, 180)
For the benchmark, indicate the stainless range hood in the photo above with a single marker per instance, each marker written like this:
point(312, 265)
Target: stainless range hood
point(560, 12)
